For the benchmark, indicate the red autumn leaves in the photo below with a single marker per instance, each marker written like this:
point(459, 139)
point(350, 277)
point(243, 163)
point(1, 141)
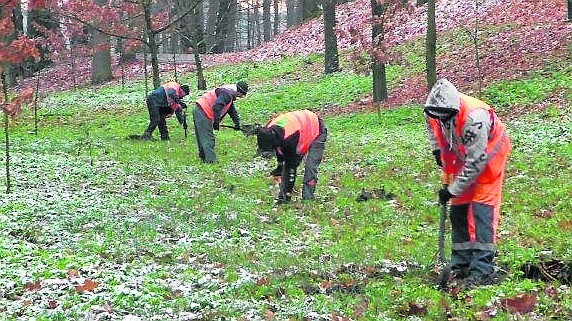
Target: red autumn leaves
point(82, 284)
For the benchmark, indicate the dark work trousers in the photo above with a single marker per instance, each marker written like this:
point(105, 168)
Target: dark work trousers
point(156, 118)
point(313, 159)
point(474, 256)
point(205, 136)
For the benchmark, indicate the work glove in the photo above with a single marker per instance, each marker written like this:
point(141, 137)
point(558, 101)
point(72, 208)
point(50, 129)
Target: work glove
point(216, 126)
point(185, 126)
point(437, 154)
point(183, 105)
point(445, 195)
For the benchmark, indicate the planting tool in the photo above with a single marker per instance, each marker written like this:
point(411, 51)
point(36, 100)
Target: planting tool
point(443, 278)
point(247, 130)
point(185, 123)
point(135, 137)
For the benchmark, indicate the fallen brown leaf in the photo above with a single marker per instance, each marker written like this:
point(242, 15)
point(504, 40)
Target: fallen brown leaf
point(88, 285)
point(32, 286)
point(522, 303)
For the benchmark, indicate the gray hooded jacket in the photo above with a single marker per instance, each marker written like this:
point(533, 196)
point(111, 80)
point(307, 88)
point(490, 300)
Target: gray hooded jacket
point(444, 100)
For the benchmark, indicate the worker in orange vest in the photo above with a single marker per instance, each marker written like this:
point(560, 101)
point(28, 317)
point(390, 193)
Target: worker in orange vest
point(291, 136)
point(209, 111)
point(471, 144)
point(162, 103)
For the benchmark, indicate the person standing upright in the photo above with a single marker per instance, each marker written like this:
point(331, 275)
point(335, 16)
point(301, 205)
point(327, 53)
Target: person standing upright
point(470, 143)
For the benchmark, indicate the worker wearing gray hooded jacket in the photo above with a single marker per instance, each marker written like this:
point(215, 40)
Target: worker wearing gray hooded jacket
point(209, 112)
point(471, 145)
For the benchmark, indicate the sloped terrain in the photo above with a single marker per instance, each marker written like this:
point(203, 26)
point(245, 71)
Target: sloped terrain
point(516, 38)
point(98, 227)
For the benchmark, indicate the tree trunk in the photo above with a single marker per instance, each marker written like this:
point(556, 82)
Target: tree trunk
point(231, 35)
point(569, 10)
point(152, 45)
point(378, 67)
point(476, 45)
point(212, 20)
point(276, 26)
point(291, 14)
point(331, 61)
point(255, 24)
point(101, 60)
point(6, 136)
point(201, 82)
point(222, 26)
point(431, 44)
point(266, 25)
point(249, 26)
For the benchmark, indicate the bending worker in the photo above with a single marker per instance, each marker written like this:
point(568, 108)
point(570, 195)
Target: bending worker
point(162, 103)
point(470, 143)
point(209, 111)
point(291, 136)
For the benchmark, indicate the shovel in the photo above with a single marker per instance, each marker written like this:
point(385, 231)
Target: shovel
point(247, 130)
point(135, 137)
point(443, 278)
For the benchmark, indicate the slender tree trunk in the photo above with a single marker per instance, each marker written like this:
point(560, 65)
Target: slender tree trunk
point(431, 43)
point(569, 10)
point(266, 25)
point(291, 15)
point(152, 45)
point(145, 64)
point(331, 60)
point(199, 18)
point(256, 25)
point(378, 67)
point(101, 60)
point(249, 25)
point(475, 36)
point(231, 36)
point(212, 21)
point(276, 26)
point(72, 64)
point(201, 81)
point(36, 101)
point(6, 135)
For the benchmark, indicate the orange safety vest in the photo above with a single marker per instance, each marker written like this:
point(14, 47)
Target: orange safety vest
point(180, 93)
point(206, 103)
point(303, 121)
point(498, 144)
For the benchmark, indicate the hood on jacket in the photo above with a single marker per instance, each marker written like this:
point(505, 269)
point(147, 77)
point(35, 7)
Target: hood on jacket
point(443, 102)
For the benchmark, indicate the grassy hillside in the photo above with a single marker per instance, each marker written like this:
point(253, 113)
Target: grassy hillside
point(99, 227)
point(165, 237)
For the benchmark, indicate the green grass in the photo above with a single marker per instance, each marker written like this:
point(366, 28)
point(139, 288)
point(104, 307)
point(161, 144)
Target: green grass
point(163, 234)
point(535, 89)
